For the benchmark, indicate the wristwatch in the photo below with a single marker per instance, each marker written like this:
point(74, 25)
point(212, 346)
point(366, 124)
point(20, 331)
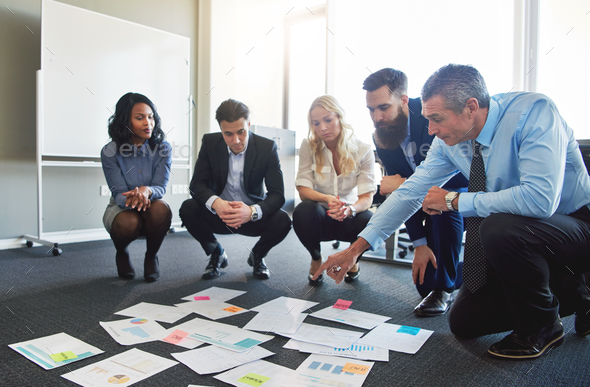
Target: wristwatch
point(449, 200)
point(254, 216)
point(352, 211)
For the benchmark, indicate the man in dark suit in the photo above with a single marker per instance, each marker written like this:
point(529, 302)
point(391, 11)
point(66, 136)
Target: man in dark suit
point(227, 191)
point(402, 140)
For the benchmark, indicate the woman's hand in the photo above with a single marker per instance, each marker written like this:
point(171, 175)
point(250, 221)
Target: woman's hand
point(138, 198)
point(337, 210)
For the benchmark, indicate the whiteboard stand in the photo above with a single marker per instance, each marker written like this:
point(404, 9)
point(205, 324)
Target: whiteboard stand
point(29, 239)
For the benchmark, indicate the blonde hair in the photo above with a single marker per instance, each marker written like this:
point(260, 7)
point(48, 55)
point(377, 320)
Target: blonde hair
point(346, 146)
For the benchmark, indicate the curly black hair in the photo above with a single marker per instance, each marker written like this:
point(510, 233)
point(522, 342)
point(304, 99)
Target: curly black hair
point(119, 122)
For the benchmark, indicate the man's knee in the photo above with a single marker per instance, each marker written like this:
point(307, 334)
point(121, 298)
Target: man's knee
point(458, 323)
point(188, 209)
point(280, 221)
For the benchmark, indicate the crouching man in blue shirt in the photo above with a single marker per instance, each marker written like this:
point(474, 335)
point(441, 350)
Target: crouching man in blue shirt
point(526, 211)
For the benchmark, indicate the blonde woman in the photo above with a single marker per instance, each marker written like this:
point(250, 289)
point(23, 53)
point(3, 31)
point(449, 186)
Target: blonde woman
point(335, 182)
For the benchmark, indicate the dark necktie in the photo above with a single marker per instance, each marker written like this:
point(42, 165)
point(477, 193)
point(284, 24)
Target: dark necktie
point(475, 262)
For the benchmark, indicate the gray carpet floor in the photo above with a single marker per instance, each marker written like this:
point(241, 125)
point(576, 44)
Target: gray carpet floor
point(43, 295)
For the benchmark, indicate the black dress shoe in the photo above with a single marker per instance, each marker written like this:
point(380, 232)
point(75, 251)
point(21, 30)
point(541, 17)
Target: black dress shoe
point(215, 262)
point(582, 323)
point(259, 267)
point(315, 282)
point(437, 302)
point(515, 346)
point(352, 276)
point(151, 269)
point(124, 268)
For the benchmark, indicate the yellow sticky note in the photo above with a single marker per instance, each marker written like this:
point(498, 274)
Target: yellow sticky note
point(68, 355)
point(253, 379)
point(355, 368)
point(233, 309)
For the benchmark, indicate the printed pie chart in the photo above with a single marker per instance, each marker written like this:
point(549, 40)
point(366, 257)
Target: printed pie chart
point(139, 321)
point(118, 379)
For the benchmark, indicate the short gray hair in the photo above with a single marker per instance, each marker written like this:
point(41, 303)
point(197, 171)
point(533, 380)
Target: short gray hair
point(457, 84)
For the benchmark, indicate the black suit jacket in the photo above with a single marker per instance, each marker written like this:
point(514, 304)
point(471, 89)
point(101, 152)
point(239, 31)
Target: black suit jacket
point(261, 165)
point(395, 162)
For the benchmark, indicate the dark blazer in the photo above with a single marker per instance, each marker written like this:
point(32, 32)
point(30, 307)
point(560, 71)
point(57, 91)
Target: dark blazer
point(395, 162)
point(260, 165)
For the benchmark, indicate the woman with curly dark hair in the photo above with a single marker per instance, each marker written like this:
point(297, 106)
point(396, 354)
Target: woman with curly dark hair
point(136, 165)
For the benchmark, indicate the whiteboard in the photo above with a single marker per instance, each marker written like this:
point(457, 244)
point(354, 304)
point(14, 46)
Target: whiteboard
point(88, 61)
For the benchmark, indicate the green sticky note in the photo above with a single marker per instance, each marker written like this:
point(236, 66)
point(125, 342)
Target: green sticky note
point(57, 357)
point(253, 379)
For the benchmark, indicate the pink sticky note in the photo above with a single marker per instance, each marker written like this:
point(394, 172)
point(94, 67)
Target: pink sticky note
point(201, 298)
point(342, 304)
point(176, 336)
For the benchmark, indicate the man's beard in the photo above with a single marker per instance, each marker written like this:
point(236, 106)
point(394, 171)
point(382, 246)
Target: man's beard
point(391, 134)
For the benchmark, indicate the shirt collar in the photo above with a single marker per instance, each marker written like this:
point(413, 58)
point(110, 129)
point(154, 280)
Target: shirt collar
point(487, 133)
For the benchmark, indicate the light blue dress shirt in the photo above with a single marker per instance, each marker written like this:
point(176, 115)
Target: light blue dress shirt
point(234, 188)
point(533, 168)
point(130, 167)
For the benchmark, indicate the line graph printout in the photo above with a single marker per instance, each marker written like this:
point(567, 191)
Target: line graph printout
point(213, 359)
point(125, 368)
point(55, 351)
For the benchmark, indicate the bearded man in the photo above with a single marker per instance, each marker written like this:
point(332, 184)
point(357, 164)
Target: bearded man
point(402, 140)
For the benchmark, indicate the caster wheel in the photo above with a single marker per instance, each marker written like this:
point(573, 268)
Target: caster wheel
point(56, 251)
point(29, 244)
point(411, 248)
point(402, 254)
point(336, 244)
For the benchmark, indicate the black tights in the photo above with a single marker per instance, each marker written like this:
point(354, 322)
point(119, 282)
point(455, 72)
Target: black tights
point(153, 223)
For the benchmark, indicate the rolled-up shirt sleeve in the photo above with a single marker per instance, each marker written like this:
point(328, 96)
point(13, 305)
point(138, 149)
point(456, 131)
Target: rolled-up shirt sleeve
point(305, 172)
point(366, 177)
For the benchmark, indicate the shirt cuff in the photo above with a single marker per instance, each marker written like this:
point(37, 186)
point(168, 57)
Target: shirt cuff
point(420, 242)
point(465, 204)
point(374, 236)
point(259, 211)
point(209, 203)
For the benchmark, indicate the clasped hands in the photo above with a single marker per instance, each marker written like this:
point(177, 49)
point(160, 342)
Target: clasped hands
point(337, 209)
point(138, 198)
point(234, 213)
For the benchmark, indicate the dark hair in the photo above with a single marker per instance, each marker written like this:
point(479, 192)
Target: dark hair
point(119, 130)
point(231, 110)
point(396, 81)
point(457, 84)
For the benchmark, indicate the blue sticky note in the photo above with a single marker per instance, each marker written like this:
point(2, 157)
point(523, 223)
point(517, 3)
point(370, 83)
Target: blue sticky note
point(409, 330)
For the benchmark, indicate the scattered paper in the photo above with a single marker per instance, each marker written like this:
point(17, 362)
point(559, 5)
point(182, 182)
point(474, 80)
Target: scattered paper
point(389, 336)
point(276, 322)
point(278, 376)
point(316, 334)
point(175, 337)
point(285, 305)
point(212, 359)
point(164, 313)
point(134, 330)
point(227, 336)
point(189, 326)
point(332, 371)
point(355, 351)
point(215, 294)
point(351, 317)
point(55, 351)
point(212, 309)
point(125, 368)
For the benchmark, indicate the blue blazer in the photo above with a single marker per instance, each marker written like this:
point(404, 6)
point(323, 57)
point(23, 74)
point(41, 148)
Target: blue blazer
point(395, 162)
